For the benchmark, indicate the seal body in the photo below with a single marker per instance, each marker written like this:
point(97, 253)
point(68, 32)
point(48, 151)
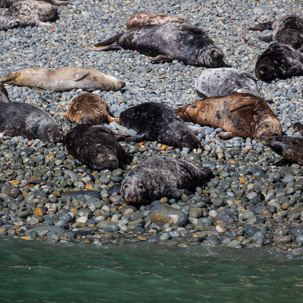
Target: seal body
point(155, 121)
point(88, 109)
point(142, 18)
point(289, 147)
point(279, 61)
point(96, 146)
point(158, 177)
point(29, 121)
point(63, 79)
point(239, 115)
point(3, 94)
point(169, 41)
point(27, 12)
point(224, 81)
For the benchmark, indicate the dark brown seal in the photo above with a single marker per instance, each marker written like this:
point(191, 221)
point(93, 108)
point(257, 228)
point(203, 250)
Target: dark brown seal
point(88, 109)
point(289, 147)
point(3, 94)
point(29, 121)
point(239, 115)
point(142, 18)
point(96, 146)
point(169, 41)
point(279, 61)
point(159, 177)
point(156, 121)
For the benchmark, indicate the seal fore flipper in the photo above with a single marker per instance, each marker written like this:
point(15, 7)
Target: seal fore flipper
point(262, 26)
point(160, 58)
point(268, 38)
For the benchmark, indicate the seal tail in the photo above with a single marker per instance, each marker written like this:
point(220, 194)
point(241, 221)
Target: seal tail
point(261, 26)
point(109, 44)
point(8, 78)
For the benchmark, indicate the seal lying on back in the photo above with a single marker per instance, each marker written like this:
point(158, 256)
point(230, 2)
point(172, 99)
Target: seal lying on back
point(289, 147)
point(159, 177)
point(88, 109)
point(279, 61)
point(3, 94)
point(239, 115)
point(155, 121)
point(63, 79)
point(29, 121)
point(9, 3)
point(96, 146)
point(224, 81)
point(27, 12)
point(141, 18)
point(169, 41)
point(286, 30)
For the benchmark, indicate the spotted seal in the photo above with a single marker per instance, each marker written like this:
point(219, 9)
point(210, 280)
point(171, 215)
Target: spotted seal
point(239, 115)
point(88, 109)
point(143, 18)
point(9, 3)
point(224, 81)
point(63, 79)
point(166, 42)
point(156, 121)
point(279, 61)
point(3, 94)
point(29, 121)
point(96, 146)
point(158, 177)
point(285, 30)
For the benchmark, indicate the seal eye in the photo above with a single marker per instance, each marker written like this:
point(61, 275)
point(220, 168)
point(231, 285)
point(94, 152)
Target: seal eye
point(125, 186)
point(140, 186)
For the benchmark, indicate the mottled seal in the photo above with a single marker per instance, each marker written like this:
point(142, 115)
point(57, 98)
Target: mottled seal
point(279, 61)
point(289, 147)
point(9, 3)
point(29, 121)
point(28, 12)
point(96, 146)
point(224, 81)
point(285, 30)
point(169, 41)
point(158, 177)
point(240, 115)
point(142, 18)
point(63, 79)
point(156, 121)
point(3, 94)
point(88, 109)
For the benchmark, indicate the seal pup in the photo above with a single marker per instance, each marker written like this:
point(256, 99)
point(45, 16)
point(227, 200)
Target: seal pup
point(9, 3)
point(29, 121)
point(279, 61)
point(289, 147)
point(3, 94)
point(158, 177)
point(96, 146)
point(239, 115)
point(88, 109)
point(28, 13)
point(142, 18)
point(63, 79)
point(158, 122)
point(166, 42)
point(224, 81)
point(285, 30)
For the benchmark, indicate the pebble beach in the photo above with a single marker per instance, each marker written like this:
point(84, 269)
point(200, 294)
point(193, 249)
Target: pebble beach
point(254, 199)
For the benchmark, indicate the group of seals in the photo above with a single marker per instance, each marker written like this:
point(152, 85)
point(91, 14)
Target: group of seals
point(63, 79)
point(159, 177)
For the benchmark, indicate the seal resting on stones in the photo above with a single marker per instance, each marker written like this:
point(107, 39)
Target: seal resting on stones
point(166, 42)
point(224, 81)
point(158, 122)
point(289, 147)
point(158, 177)
point(3, 94)
point(279, 61)
point(28, 13)
point(142, 18)
point(239, 115)
point(63, 79)
point(285, 30)
point(88, 109)
point(29, 121)
point(96, 146)
point(9, 3)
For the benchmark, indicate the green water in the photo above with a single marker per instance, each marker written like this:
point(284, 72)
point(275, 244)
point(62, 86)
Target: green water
point(33, 271)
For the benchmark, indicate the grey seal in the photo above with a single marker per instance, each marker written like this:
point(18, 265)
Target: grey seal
point(29, 121)
point(222, 81)
point(158, 177)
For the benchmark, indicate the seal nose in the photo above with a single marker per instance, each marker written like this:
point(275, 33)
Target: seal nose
point(86, 120)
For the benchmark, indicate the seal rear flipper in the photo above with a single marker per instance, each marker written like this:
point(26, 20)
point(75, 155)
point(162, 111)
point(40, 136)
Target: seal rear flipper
point(261, 26)
point(109, 44)
point(160, 59)
point(10, 77)
point(226, 135)
point(268, 38)
point(112, 119)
